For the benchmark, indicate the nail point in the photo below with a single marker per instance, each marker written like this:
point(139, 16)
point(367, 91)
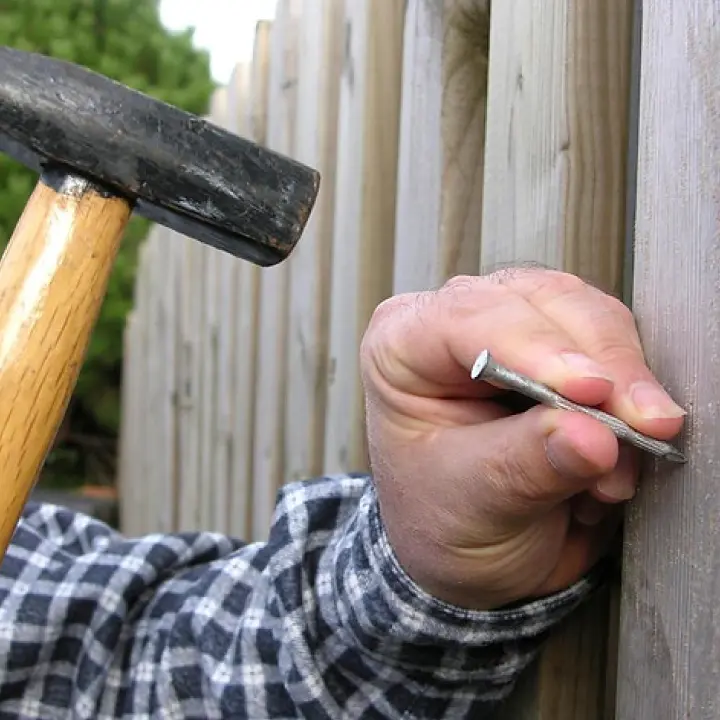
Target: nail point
point(676, 456)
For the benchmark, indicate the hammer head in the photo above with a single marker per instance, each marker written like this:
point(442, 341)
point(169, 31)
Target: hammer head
point(176, 168)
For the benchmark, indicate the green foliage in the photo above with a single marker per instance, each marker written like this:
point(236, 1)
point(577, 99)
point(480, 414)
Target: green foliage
point(125, 40)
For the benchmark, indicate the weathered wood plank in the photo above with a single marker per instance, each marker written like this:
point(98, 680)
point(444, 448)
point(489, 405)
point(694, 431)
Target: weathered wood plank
point(208, 353)
point(442, 139)
point(163, 379)
point(555, 174)
point(224, 271)
point(189, 426)
point(271, 368)
point(670, 638)
point(221, 298)
point(364, 229)
point(558, 109)
point(153, 455)
point(143, 509)
point(129, 411)
point(252, 123)
point(319, 66)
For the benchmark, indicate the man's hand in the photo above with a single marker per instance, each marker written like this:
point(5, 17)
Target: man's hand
point(484, 507)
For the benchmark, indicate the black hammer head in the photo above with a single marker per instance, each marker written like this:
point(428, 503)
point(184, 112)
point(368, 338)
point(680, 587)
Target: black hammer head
point(178, 169)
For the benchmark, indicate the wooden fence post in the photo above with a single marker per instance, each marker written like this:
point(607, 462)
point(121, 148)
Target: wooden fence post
point(221, 276)
point(163, 381)
point(555, 174)
point(670, 638)
point(208, 355)
point(442, 140)
point(143, 480)
point(191, 266)
point(309, 267)
point(251, 122)
point(364, 229)
point(271, 368)
point(127, 448)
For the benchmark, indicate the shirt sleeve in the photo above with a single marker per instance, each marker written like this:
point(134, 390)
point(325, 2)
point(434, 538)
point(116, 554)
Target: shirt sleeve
point(319, 621)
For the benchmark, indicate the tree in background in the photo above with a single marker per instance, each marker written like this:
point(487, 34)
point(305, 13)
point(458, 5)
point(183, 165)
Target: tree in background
point(124, 40)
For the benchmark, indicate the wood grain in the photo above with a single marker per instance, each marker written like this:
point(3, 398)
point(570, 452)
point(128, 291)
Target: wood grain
point(555, 175)
point(126, 437)
point(557, 140)
point(670, 639)
point(165, 378)
point(223, 274)
point(442, 139)
point(189, 422)
point(53, 279)
point(143, 480)
point(319, 67)
point(271, 367)
point(207, 351)
point(364, 228)
point(250, 121)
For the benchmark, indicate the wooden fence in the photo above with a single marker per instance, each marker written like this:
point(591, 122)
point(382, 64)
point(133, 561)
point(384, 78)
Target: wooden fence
point(452, 139)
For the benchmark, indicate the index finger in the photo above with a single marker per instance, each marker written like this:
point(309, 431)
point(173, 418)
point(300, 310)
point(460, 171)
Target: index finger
point(604, 328)
point(425, 344)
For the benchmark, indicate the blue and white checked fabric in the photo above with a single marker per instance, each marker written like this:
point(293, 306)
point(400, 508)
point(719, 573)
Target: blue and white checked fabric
point(319, 622)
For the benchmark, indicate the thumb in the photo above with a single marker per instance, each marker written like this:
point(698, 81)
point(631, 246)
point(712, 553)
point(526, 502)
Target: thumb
point(524, 464)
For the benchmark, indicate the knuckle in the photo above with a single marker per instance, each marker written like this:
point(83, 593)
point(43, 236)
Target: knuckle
point(462, 282)
point(387, 312)
point(469, 294)
point(384, 322)
point(555, 284)
point(620, 353)
point(529, 273)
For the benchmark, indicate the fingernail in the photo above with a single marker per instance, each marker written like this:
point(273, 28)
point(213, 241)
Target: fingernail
point(652, 402)
point(617, 486)
point(584, 366)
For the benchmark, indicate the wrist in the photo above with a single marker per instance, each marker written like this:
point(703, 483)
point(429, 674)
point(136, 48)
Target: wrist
point(484, 576)
point(435, 569)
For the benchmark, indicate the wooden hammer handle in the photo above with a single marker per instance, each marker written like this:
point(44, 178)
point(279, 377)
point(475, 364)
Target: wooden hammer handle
point(53, 280)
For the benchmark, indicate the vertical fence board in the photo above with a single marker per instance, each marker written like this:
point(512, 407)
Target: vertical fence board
point(319, 64)
point(555, 177)
point(221, 275)
point(364, 228)
point(208, 358)
point(557, 139)
point(228, 292)
point(442, 137)
point(144, 480)
point(271, 369)
point(207, 352)
point(127, 445)
point(670, 639)
point(164, 378)
point(192, 264)
point(251, 121)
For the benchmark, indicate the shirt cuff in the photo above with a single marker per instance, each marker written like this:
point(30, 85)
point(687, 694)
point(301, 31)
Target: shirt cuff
point(429, 639)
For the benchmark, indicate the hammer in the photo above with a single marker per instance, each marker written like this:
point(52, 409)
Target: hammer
point(104, 151)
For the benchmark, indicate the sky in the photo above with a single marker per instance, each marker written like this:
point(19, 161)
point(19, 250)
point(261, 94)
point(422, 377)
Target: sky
point(225, 28)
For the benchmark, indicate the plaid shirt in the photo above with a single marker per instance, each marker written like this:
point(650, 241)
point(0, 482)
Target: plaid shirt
point(319, 622)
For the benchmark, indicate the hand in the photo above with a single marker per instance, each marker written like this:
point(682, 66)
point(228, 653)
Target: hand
point(484, 506)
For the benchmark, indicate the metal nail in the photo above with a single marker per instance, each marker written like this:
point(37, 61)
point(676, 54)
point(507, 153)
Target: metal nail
point(485, 368)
